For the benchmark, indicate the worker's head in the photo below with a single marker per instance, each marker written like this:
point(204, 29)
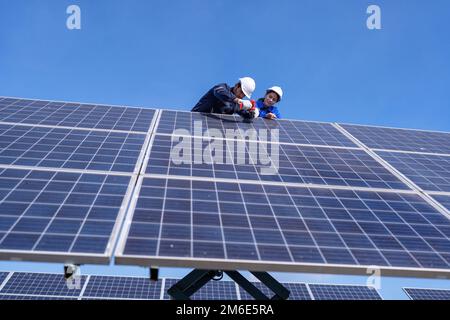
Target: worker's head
point(273, 95)
point(244, 88)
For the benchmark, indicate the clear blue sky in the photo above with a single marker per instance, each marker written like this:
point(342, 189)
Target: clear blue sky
point(165, 54)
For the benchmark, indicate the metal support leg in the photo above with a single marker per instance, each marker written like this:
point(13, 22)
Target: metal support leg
point(196, 279)
point(247, 285)
point(190, 284)
point(281, 293)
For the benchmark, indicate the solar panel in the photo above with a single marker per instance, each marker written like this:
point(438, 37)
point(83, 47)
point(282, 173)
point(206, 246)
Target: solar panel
point(427, 294)
point(41, 284)
point(57, 216)
point(401, 139)
point(343, 292)
point(297, 164)
point(234, 225)
point(429, 172)
point(298, 132)
point(213, 290)
point(298, 291)
point(69, 148)
point(78, 115)
point(115, 287)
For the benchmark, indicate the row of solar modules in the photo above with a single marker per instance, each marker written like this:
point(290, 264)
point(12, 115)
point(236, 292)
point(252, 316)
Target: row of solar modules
point(40, 286)
point(341, 163)
point(330, 202)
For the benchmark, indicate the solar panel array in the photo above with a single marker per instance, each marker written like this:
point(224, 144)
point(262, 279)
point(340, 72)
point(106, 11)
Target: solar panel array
point(427, 294)
point(68, 173)
point(43, 286)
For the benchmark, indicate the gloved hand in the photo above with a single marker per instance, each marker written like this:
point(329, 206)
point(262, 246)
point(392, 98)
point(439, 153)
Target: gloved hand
point(246, 104)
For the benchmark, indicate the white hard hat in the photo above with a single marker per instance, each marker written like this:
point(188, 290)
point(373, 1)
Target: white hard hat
point(248, 85)
point(277, 90)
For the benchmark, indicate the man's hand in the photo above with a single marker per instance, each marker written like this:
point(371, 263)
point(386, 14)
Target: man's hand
point(245, 104)
point(271, 116)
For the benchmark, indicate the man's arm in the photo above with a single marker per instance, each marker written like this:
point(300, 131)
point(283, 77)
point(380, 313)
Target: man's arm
point(224, 94)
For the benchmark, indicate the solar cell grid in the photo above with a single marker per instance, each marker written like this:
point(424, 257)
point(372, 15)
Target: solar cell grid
point(42, 211)
point(427, 294)
point(3, 276)
point(122, 287)
point(401, 139)
point(41, 284)
point(343, 292)
point(429, 172)
point(75, 115)
point(69, 149)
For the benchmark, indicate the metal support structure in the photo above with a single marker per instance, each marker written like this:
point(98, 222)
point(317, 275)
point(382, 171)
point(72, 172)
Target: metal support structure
point(197, 278)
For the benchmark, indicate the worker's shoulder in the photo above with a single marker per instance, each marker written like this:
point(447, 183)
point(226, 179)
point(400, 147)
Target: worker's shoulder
point(222, 85)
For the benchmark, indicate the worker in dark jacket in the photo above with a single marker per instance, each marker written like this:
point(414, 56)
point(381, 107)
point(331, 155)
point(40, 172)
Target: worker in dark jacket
point(266, 105)
point(228, 100)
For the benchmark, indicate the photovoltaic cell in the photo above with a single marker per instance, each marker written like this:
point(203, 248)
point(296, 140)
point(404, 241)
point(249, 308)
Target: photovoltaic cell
point(298, 291)
point(183, 219)
point(40, 284)
point(122, 288)
point(75, 115)
point(213, 290)
point(427, 294)
point(299, 132)
point(62, 212)
point(429, 172)
point(294, 164)
point(401, 139)
point(69, 149)
point(343, 292)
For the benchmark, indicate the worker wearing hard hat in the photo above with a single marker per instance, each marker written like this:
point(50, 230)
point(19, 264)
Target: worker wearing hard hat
point(266, 105)
point(228, 100)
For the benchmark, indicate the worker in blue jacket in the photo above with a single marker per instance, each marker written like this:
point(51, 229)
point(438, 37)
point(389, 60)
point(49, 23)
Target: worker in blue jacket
point(228, 100)
point(266, 105)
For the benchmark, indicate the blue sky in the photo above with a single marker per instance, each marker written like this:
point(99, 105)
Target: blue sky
point(165, 54)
